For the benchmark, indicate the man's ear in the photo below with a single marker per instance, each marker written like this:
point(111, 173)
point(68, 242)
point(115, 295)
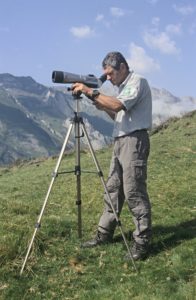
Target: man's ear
point(122, 67)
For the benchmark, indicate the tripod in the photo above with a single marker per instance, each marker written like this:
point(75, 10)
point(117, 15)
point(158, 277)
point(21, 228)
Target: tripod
point(76, 123)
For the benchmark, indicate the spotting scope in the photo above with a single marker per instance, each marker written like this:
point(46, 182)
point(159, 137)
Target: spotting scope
point(89, 80)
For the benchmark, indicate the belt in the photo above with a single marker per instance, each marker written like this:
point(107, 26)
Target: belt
point(131, 133)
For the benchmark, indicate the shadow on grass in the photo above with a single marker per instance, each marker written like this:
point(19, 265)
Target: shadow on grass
point(167, 237)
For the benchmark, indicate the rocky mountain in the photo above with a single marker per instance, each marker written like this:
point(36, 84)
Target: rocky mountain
point(34, 119)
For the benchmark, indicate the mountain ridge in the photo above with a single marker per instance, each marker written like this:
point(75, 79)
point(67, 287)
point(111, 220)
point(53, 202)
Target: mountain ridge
point(34, 119)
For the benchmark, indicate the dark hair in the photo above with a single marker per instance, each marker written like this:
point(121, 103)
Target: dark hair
point(114, 59)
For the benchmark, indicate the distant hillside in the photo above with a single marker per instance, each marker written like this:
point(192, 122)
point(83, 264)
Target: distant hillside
point(34, 119)
point(187, 120)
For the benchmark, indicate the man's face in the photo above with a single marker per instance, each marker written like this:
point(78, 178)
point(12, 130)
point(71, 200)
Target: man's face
point(116, 77)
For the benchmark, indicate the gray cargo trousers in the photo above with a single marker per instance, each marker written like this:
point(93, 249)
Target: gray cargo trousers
point(127, 182)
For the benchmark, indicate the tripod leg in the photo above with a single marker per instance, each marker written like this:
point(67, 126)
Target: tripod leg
point(38, 224)
point(100, 173)
point(78, 176)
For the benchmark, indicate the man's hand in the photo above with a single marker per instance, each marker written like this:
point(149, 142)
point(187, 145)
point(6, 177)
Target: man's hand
point(81, 88)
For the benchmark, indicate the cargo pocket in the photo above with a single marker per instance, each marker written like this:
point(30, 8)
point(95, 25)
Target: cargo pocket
point(140, 170)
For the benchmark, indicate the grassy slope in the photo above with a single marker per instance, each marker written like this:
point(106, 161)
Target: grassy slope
point(59, 269)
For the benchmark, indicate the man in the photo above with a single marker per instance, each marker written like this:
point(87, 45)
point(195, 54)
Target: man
point(132, 114)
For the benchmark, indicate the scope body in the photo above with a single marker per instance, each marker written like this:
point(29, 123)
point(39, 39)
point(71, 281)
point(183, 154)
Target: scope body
point(89, 80)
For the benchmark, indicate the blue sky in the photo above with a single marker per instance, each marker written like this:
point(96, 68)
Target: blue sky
point(157, 37)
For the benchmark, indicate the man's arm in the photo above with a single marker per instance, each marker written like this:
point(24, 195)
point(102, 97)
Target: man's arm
point(110, 113)
point(107, 103)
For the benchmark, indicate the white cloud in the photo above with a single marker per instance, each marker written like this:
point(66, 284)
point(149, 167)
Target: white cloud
point(165, 105)
point(82, 32)
point(184, 10)
point(140, 61)
point(160, 41)
point(99, 17)
point(117, 12)
point(174, 29)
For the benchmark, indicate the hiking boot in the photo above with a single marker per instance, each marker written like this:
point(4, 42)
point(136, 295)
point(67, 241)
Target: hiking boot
point(99, 239)
point(138, 251)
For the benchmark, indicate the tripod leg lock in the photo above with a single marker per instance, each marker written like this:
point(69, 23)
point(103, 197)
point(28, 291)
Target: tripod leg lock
point(79, 136)
point(37, 225)
point(54, 174)
point(77, 170)
point(78, 202)
point(100, 173)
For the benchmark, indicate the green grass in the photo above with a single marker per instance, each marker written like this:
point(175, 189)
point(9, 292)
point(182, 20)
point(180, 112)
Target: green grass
point(58, 268)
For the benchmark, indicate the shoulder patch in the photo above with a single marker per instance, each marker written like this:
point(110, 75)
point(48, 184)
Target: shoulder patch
point(128, 91)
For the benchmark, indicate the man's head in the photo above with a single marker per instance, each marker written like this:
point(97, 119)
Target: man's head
point(115, 67)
